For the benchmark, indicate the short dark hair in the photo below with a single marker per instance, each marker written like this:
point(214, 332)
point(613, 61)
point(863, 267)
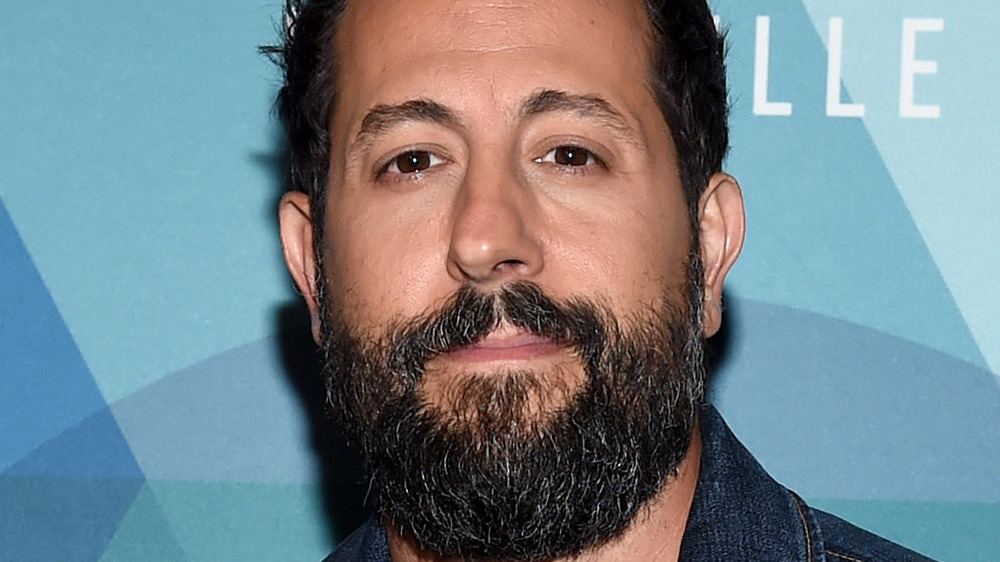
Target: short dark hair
point(688, 77)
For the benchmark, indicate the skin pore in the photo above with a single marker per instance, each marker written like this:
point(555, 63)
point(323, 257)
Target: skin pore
point(479, 143)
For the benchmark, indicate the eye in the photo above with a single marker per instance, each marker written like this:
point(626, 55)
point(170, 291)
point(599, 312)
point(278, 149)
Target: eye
point(411, 162)
point(573, 156)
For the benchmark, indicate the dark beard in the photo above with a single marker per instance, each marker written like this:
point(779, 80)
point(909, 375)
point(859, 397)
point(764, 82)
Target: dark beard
point(491, 481)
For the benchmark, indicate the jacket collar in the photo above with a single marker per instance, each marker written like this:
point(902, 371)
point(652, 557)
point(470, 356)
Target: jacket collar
point(741, 513)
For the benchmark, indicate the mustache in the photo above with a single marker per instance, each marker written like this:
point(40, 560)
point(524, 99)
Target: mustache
point(471, 315)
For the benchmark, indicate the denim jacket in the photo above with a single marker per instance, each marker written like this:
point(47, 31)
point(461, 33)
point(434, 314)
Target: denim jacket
point(739, 513)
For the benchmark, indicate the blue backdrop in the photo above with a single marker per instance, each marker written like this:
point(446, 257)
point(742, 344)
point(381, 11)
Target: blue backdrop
point(155, 397)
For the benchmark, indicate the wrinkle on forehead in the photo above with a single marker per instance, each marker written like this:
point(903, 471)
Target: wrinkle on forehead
point(488, 26)
point(486, 56)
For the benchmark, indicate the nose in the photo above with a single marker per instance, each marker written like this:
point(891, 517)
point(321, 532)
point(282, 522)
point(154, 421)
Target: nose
point(493, 236)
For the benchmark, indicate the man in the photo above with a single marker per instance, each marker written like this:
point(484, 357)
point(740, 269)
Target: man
point(511, 228)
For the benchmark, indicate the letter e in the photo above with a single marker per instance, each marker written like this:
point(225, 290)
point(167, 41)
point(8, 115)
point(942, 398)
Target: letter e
point(910, 67)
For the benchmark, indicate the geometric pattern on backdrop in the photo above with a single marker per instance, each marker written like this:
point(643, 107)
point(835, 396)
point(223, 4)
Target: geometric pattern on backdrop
point(150, 407)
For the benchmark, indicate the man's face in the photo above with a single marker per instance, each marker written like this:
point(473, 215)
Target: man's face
point(480, 143)
point(510, 305)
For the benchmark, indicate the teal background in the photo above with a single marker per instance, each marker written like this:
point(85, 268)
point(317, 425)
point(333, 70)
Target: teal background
point(149, 403)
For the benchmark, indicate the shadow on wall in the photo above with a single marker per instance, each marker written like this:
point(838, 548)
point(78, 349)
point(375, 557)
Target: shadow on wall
point(341, 477)
point(718, 346)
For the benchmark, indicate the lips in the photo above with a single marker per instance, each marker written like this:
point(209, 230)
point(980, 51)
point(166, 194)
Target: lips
point(505, 345)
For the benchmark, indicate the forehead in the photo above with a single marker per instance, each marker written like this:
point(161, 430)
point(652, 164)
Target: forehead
point(404, 49)
point(490, 23)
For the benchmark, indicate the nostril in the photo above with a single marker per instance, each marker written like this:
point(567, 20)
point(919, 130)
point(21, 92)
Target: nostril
point(508, 265)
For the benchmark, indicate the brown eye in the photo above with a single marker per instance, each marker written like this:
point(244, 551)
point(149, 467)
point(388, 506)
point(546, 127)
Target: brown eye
point(411, 162)
point(571, 156)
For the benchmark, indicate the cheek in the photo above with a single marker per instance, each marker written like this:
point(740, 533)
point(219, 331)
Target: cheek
point(381, 264)
point(628, 253)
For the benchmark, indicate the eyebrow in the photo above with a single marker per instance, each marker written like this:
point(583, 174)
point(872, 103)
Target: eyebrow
point(548, 101)
point(384, 116)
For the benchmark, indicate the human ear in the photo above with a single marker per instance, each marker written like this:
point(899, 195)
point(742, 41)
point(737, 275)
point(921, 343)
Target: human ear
point(722, 227)
point(300, 256)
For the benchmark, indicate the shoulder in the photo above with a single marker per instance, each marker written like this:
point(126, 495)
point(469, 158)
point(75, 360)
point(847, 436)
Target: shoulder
point(366, 544)
point(843, 542)
point(740, 512)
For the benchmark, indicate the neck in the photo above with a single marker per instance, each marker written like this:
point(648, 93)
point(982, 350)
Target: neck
point(655, 533)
